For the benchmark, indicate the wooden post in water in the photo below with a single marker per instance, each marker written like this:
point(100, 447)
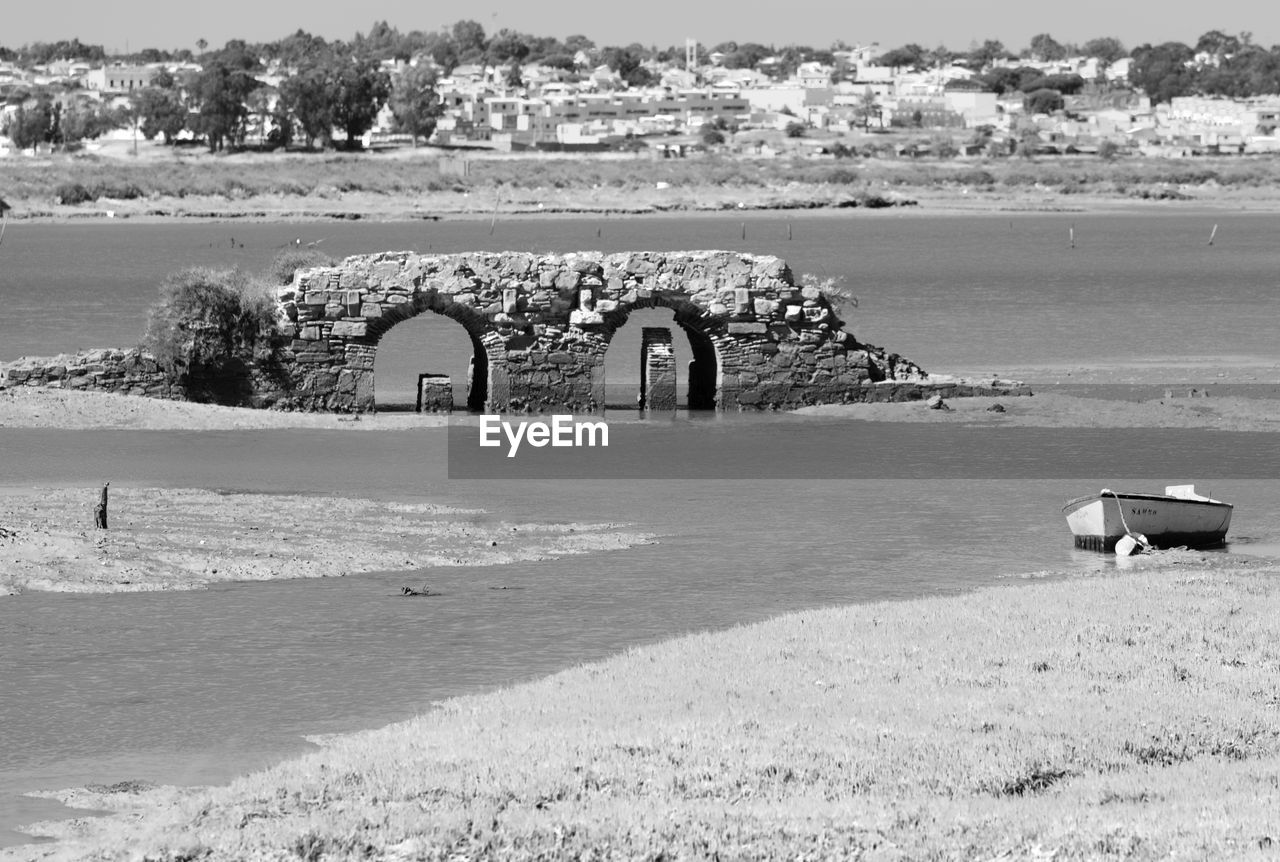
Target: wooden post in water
point(1212, 234)
point(100, 510)
point(744, 230)
point(1073, 235)
point(788, 231)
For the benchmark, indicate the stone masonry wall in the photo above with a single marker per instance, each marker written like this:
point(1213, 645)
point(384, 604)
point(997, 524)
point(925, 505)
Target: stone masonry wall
point(657, 369)
point(541, 325)
point(129, 372)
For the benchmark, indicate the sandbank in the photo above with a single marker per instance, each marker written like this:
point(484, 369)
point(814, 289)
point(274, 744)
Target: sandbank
point(181, 539)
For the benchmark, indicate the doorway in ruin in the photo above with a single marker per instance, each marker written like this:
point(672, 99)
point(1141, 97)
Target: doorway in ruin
point(415, 353)
point(632, 358)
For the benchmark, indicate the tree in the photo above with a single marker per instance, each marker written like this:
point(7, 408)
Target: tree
point(1217, 45)
point(32, 125)
point(201, 44)
point(1065, 84)
point(298, 49)
point(990, 51)
point(908, 56)
point(222, 93)
point(1043, 101)
point(578, 42)
point(415, 103)
point(508, 45)
point(82, 121)
point(160, 110)
point(1004, 80)
point(868, 107)
point(359, 89)
point(626, 63)
point(1161, 71)
point(305, 98)
point(470, 39)
point(382, 41)
point(1106, 49)
point(1045, 48)
point(445, 54)
point(794, 129)
point(710, 135)
point(938, 57)
point(748, 56)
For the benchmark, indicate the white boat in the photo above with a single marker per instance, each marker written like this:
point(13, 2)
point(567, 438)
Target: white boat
point(1179, 517)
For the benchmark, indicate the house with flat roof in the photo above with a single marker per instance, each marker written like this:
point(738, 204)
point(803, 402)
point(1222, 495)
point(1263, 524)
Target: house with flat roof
point(119, 78)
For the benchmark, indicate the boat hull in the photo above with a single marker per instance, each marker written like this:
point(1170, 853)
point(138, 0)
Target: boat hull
point(1098, 521)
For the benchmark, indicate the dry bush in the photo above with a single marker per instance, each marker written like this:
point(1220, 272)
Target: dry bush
point(208, 330)
point(291, 260)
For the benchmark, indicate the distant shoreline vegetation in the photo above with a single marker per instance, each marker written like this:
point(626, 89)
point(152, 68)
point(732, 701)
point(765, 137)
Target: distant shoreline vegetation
point(507, 182)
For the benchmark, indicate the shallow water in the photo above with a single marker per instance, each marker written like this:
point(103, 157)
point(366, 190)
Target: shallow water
point(758, 515)
point(196, 687)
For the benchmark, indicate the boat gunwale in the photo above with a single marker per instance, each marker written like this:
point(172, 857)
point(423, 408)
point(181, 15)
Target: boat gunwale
point(1125, 495)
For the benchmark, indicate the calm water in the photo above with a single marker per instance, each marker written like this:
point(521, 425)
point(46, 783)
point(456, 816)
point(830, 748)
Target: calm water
point(957, 294)
point(195, 687)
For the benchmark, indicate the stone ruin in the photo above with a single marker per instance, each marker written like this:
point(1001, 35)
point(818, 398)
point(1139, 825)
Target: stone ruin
point(540, 325)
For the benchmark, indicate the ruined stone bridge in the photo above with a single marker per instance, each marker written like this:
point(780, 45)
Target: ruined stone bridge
point(540, 325)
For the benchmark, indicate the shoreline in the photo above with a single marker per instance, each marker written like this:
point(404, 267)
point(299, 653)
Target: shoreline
point(30, 407)
point(815, 202)
point(1041, 719)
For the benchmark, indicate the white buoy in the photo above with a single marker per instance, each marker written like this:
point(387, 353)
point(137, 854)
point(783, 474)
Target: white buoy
point(1131, 544)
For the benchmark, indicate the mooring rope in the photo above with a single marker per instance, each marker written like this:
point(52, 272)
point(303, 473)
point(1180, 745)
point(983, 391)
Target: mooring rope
point(1137, 537)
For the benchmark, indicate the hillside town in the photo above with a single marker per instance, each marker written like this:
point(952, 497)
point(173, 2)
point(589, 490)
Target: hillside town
point(1047, 99)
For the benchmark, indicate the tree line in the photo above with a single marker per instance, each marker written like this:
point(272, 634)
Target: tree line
point(342, 84)
point(1218, 64)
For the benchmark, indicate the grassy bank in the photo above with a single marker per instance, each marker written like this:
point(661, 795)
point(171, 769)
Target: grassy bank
point(1124, 716)
point(171, 183)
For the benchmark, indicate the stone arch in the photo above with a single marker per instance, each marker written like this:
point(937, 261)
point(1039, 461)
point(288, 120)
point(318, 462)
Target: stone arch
point(702, 329)
point(465, 314)
point(541, 324)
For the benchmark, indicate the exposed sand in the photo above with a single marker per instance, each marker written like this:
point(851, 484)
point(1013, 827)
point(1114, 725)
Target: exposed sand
point(1055, 410)
point(178, 539)
point(36, 407)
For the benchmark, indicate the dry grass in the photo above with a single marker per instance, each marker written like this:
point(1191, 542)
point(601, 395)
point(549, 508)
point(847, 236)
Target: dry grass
point(173, 182)
point(1131, 716)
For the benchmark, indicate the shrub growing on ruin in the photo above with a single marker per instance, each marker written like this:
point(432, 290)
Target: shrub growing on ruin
point(291, 260)
point(208, 330)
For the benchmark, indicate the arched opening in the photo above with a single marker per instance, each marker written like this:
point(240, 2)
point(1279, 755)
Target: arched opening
point(696, 363)
point(430, 344)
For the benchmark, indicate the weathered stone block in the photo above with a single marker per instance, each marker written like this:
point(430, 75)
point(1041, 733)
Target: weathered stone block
point(578, 317)
point(747, 329)
point(349, 329)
